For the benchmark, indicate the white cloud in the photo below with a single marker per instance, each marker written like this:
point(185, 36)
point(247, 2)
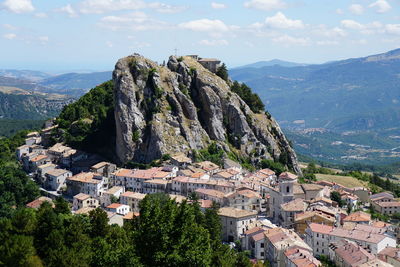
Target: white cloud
point(18, 6)
point(136, 21)
point(102, 6)
point(10, 36)
point(356, 9)
point(43, 39)
point(327, 42)
point(392, 28)
point(381, 6)
point(339, 11)
point(205, 25)
point(41, 15)
point(280, 21)
point(323, 30)
point(109, 44)
point(218, 5)
point(69, 10)
point(164, 8)
point(266, 5)
point(10, 27)
point(220, 42)
point(351, 24)
point(288, 40)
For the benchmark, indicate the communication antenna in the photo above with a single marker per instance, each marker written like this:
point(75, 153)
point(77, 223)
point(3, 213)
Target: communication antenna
point(176, 52)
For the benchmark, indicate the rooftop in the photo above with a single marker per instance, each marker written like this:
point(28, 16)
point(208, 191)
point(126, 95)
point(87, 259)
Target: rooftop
point(84, 177)
point(38, 202)
point(57, 172)
point(287, 176)
point(38, 158)
point(358, 216)
point(297, 204)
point(135, 195)
point(81, 196)
point(351, 253)
point(388, 204)
point(210, 192)
point(236, 213)
point(114, 206)
point(100, 165)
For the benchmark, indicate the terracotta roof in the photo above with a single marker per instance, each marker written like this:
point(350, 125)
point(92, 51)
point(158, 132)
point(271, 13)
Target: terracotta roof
point(135, 195)
point(391, 252)
point(206, 203)
point(38, 158)
point(224, 174)
point(114, 206)
point(181, 158)
point(210, 192)
point(301, 257)
point(380, 224)
point(297, 204)
point(288, 176)
point(381, 195)
point(351, 253)
point(130, 215)
point(141, 174)
point(99, 165)
point(266, 172)
point(84, 177)
point(113, 190)
point(358, 216)
point(312, 187)
point(38, 202)
point(388, 204)
point(310, 214)
point(81, 196)
point(57, 172)
point(236, 213)
point(156, 181)
point(248, 193)
point(84, 210)
point(320, 228)
point(207, 165)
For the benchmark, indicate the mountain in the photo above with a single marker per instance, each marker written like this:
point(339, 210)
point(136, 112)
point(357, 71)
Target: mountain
point(354, 94)
point(74, 84)
point(149, 111)
point(20, 104)
point(30, 75)
point(273, 62)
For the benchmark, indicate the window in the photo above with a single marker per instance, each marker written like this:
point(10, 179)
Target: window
point(262, 254)
point(262, 245)
point(287, 189)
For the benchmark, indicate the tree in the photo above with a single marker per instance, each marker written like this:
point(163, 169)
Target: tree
point(61, 206)
point(222, 72)
point(98, 223)
point(335, 196)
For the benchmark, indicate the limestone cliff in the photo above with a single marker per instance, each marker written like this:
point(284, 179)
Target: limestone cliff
point(183, 107)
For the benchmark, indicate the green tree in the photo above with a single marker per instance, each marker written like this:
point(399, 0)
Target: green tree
point(222, 72)
point(335, 196)
point(61, 206)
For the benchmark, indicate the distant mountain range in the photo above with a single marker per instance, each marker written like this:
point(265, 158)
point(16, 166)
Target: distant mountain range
point(73, 84)
point(353, 94)
point(274, 62)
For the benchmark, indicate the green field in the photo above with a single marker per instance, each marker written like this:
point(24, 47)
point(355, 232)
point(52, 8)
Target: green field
point(346, 181)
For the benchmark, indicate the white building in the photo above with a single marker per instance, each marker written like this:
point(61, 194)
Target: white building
point(118, 208)
point(235, 222)
point(55, 179)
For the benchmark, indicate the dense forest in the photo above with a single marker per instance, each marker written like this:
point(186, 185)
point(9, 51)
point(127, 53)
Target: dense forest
point(89, 123)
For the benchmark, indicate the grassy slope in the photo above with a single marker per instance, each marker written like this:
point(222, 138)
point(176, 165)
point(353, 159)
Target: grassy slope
point(343, 180)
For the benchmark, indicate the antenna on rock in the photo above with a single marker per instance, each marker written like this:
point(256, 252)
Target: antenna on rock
point(176, 52)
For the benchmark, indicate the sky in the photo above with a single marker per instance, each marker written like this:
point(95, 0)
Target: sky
point(91, 35)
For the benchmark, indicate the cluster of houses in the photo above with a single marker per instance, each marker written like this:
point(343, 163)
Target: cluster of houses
point(275, 217)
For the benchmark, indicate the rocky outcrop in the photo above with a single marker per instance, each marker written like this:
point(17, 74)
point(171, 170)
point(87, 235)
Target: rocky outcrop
point(183, 107)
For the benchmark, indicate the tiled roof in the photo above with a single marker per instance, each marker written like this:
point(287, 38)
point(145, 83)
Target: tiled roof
point(388, 204)
point(38, 158)
point(81, 196)
point(210, 192)
point(114, 206)
point(57, 172)
point(297, 204)
point(288, 176)
point(84, 177)
point(236, 213)
point(99, 165)
point(135, 195)
point(358, 216)
point(38, 202)
point(351, 253)
point(320, 228)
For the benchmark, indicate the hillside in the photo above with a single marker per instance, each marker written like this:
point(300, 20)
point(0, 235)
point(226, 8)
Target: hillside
point(353, 94)
point(74, 84)
point(158, 110)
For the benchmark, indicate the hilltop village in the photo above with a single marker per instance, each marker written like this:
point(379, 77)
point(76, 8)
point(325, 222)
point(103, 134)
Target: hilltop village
point(273, 216)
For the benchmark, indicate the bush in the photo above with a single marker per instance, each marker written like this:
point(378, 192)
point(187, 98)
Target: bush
point(251, 99)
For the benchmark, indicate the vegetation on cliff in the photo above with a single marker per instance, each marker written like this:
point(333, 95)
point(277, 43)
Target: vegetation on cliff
point(89, 123)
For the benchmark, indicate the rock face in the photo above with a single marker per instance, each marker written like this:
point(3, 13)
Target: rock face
point(183, 107)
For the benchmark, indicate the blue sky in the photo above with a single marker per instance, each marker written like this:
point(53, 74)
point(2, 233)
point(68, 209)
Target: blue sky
point(57, 36)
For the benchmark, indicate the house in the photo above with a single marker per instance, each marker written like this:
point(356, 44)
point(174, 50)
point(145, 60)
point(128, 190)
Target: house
point(42, 170)
point(278, 241)
point(104, 168)
point(111, 194)
point(301, 220)
point(319, 236)
point(211, 194)
point(390, 255)
point(254, 241)
point(212, 64)
point(235, 222)
point(115, 218)
point(118, 208)
point(22, 150)
point(344, 253)
point(85, 182)
point(358, 217)
point(387, 208)
point(156, 186)
point(36, 161)
point(56, 152)
point(81, 201)
point(38, 202)
point(132, 200)
point(244, 199)
point(297, 256)
point(180, 160)
point(55, 179)
point(208, 166)
point(133, 179)
point(289, 210)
